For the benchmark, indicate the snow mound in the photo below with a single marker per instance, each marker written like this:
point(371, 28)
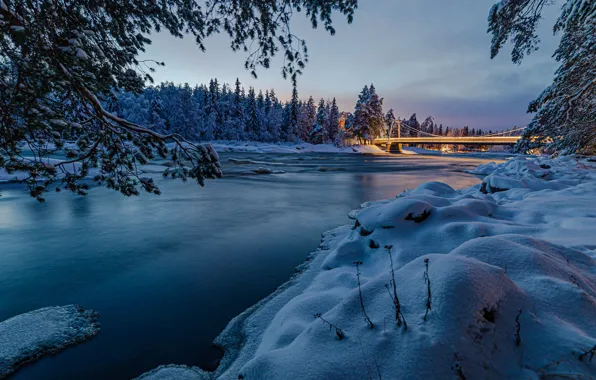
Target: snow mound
point(28, 336)
point(489, 284)
point(178, 372)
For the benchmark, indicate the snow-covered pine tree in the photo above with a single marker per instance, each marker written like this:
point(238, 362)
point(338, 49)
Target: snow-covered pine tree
point(413, 126)
point(237, 119)
point(333, 123)
point(427, 126)
point(56, 55)
point(274, 118)
point(376, 115)
point(253, 122)
point(327, 112)
point(307, 117)
point(318, 134)
point(156, 121)
point(390, 123)
point(359, 126)
point(289, 131)
point(564, 112)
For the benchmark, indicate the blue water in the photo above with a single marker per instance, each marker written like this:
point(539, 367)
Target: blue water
point(167, 273)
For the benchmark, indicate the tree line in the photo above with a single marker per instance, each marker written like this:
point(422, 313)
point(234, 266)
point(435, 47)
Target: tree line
point(222, 112)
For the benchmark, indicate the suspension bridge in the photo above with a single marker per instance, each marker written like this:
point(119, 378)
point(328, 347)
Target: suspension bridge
point(394, 143)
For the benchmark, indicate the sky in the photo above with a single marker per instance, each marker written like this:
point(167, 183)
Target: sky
point(429, 57)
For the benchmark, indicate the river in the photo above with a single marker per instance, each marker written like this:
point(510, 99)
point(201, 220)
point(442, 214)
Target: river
point(167, 273)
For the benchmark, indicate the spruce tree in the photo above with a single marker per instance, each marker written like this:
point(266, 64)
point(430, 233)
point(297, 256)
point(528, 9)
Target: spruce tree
point(376, 116)
point(307, 117)
point(319, 134)
point(291, 114)
point(390, 122)
point(414, 126)
point(253, 125)
point(359, 127)
point(333, 123)
point(427, 126)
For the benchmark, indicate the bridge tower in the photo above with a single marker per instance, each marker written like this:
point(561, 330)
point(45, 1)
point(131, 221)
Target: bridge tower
point(394, 147)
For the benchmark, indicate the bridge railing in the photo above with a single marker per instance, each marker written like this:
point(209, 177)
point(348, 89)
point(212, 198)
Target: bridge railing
point(501, 140)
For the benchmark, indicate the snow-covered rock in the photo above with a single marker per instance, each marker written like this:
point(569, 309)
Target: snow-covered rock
point(173, 372)
point(261, 170)
point(492, 285)
point(28, 336)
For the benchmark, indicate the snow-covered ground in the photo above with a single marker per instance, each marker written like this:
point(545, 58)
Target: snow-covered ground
point(505, 269)
point(28, 336)
point(257, 147)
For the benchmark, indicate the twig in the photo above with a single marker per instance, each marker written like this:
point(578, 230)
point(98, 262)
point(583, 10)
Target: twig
point(427, 280)
point(518, 328)
point(340, 334)
point(366, 318)
point(399, 317)
point(460, 372)
point(591, 352)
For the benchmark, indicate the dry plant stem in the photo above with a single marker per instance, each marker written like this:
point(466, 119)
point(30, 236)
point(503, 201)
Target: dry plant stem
point(366, 318)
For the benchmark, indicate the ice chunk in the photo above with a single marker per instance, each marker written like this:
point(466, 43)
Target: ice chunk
point(28, 336)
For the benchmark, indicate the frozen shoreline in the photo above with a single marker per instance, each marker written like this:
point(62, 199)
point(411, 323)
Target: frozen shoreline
point(289, 148)
point(26, 337)
point(523, 239)
point(224, 146)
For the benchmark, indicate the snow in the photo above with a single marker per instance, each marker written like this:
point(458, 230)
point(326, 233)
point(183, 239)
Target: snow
point(519, 262)
point(69, 168)
point(253, 162)
point(13, 177)
point(258, 147)
point(81, 54)
point(168, 372)
point(261, 170)
point(28, 336)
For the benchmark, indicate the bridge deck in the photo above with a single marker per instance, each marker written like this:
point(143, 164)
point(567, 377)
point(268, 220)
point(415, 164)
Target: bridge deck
point(500, 140)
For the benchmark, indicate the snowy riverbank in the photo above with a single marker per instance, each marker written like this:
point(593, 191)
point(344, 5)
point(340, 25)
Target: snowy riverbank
point(220, 146)
point(511, 264)
point(28, 336)
point(258, 147)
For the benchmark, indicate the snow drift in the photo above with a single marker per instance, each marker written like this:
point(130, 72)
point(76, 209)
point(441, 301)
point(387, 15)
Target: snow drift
point(494, 281)
point(28, 336)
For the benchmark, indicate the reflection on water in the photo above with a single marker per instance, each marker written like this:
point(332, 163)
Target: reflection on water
point(167, 273)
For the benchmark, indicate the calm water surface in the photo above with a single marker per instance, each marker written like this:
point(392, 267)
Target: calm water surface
point(167, 273)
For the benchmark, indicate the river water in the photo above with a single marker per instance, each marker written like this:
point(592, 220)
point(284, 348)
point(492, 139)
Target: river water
point(167, 273)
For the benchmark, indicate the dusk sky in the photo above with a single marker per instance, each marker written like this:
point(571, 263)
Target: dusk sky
point(425, 56)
